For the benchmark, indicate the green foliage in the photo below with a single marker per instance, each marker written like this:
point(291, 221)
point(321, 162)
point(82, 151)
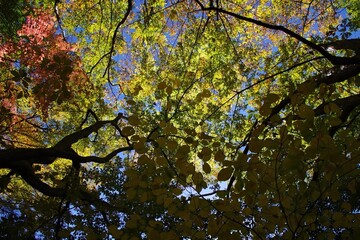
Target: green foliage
point(353, 8)
point(12, 16)
point(181, 120)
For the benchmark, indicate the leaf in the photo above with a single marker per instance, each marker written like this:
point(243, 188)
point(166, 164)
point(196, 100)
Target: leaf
point(206, 151)
point(131, 194)
point(128, 131)
point(197, 178)
point(306, 112)
point(225, 174)
point(219, 156)
point(113, 230)
point(332, 108)
point(161, 85)
point(169, 90)
point(206, 167)
point(271, 98)
point(206, 93)
point(265, 110)
point(173, 14)
point(334, 121)
point(255, 145)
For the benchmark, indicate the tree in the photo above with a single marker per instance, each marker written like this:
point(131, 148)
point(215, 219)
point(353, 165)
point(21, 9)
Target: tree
point(181, 119)
point(12, 17)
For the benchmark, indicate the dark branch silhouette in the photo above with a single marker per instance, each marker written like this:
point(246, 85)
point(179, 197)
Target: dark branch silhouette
point(335, 60)
point(21, 160)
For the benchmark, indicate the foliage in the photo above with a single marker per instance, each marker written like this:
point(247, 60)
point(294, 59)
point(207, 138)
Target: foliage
point(12, 16)
point(353, 8)
point(181, 119)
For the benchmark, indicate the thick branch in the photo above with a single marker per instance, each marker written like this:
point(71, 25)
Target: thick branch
point(351, 44)
point(11, 158)
point(70, 139)
point(337, 76)
point(27, 173)
point(105, 159)
point(346, 104)
point(21, 160)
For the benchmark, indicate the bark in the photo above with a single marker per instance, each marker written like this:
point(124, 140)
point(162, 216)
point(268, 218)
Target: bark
point(21, 160)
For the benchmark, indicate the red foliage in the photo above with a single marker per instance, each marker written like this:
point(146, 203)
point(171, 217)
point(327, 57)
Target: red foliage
point(42, 63)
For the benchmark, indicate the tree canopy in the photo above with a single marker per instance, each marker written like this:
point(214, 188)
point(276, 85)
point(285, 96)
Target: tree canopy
point(179, 119)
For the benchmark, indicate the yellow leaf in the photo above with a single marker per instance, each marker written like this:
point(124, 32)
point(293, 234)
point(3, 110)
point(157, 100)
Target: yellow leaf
point(218, 75)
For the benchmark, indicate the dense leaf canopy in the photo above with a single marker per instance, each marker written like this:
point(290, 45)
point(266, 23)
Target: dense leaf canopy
point(179, 119)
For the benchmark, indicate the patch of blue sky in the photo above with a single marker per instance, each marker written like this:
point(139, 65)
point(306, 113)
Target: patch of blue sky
point(208, 193)
point(345, 15)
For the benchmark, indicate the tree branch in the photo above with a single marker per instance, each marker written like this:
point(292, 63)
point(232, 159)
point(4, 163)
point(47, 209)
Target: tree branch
point(127, 13)
point(70, 139)
point(335, 60)
point(27, 173)
point(334, 77)
point(21, 160)
point(346, 104)
point(352, 44)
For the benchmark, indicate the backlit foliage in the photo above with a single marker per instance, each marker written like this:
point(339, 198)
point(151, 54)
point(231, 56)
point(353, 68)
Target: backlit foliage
point(181, 120)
